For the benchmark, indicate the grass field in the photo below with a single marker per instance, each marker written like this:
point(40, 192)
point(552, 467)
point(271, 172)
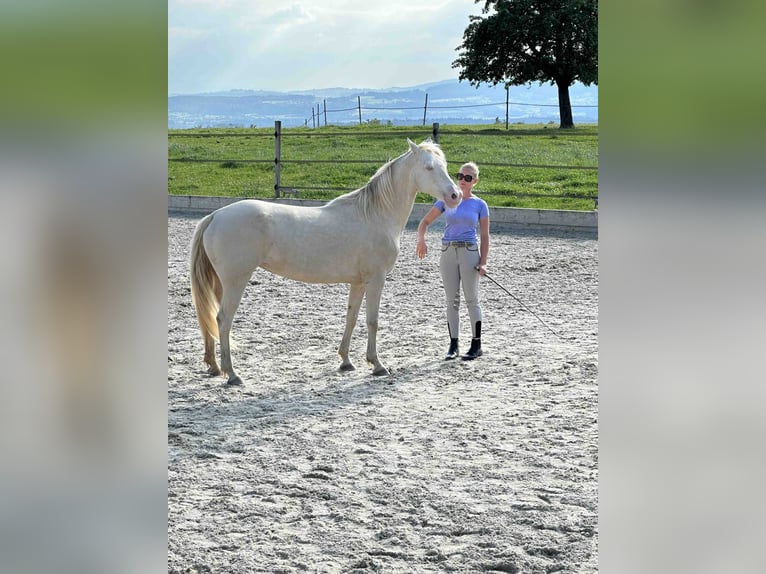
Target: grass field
point(239, 162)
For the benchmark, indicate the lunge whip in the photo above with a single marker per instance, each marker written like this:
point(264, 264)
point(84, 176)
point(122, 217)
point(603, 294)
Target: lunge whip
point(521, 303)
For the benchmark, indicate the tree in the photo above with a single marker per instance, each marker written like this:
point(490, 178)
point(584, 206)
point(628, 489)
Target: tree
point(520, 41)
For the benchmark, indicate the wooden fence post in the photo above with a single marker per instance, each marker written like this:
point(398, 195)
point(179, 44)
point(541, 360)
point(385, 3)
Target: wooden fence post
point(277, 155)
point(435, 132)
point(506, 107)
point(325, 112)
point(425, 109)
point(359, 105)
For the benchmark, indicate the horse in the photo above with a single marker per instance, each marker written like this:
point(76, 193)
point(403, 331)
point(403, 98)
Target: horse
point(352, 239)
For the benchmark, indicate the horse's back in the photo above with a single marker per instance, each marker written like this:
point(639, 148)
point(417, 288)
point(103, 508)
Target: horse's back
point(253, 210)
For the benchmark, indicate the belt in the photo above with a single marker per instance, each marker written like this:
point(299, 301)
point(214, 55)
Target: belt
point(459, 243)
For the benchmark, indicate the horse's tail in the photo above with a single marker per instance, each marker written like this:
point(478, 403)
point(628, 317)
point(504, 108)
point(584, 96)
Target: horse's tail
point(206, 286)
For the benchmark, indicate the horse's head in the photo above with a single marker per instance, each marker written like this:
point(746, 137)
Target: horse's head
point(430, 173)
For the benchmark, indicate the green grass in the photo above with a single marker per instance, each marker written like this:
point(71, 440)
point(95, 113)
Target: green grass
point(501, 186)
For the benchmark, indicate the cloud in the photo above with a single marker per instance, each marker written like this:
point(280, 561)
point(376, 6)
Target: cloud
point(187, 34)
point(295, 14)
point(210, 4)
point(271, 45)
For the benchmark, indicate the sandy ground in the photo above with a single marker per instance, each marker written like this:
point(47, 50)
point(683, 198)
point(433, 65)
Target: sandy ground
point(444, 466)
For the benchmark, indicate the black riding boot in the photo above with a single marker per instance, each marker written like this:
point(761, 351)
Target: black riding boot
point(452, 352)
point(475, 350)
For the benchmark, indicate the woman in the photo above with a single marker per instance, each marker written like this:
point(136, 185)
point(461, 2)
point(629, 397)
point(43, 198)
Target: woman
point(462, 260)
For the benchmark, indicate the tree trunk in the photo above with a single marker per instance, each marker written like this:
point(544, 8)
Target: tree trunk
point(565, 106)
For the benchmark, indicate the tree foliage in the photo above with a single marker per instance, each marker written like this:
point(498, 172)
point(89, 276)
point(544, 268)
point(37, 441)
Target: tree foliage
point(520, 41)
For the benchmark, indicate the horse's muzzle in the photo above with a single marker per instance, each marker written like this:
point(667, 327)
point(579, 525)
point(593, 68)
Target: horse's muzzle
point(453, 199)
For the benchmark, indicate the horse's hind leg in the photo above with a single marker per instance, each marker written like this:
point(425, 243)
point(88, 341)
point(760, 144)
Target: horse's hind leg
point(213, 369)
point(355, 296)
point(232, 295)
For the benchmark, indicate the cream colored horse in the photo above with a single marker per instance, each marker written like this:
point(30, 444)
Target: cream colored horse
point(352, 239)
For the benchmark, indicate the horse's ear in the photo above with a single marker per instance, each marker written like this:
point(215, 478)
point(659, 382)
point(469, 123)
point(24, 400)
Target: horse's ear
point(413, 146)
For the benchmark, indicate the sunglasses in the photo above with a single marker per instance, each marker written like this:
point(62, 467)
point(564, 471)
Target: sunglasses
point(467, 177)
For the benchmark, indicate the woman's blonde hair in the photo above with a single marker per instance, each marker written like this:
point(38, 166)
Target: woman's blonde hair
point(472, 166)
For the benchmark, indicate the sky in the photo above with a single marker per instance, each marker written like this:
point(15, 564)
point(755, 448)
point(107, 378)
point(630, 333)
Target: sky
point(217, 45)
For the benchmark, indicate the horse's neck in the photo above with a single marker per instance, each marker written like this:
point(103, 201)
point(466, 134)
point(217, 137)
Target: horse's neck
point(405, 199)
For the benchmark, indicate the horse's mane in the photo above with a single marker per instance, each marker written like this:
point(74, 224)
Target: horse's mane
point(379, 193)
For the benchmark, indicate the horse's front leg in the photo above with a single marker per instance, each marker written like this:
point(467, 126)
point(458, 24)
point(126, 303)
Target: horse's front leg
point(374, 292)
point(355, 296)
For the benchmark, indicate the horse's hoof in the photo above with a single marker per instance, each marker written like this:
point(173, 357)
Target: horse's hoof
point(347, 367)
point(234, 382)
point(380, 372)
point(214, 371)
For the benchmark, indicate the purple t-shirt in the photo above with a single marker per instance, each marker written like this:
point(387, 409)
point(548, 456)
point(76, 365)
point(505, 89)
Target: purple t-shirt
point(461, 221)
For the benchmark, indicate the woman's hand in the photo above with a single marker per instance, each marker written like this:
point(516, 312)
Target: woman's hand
point(482, 269)
point(421, 249)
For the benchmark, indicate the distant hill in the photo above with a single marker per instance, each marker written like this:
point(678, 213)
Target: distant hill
point(449, 102)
